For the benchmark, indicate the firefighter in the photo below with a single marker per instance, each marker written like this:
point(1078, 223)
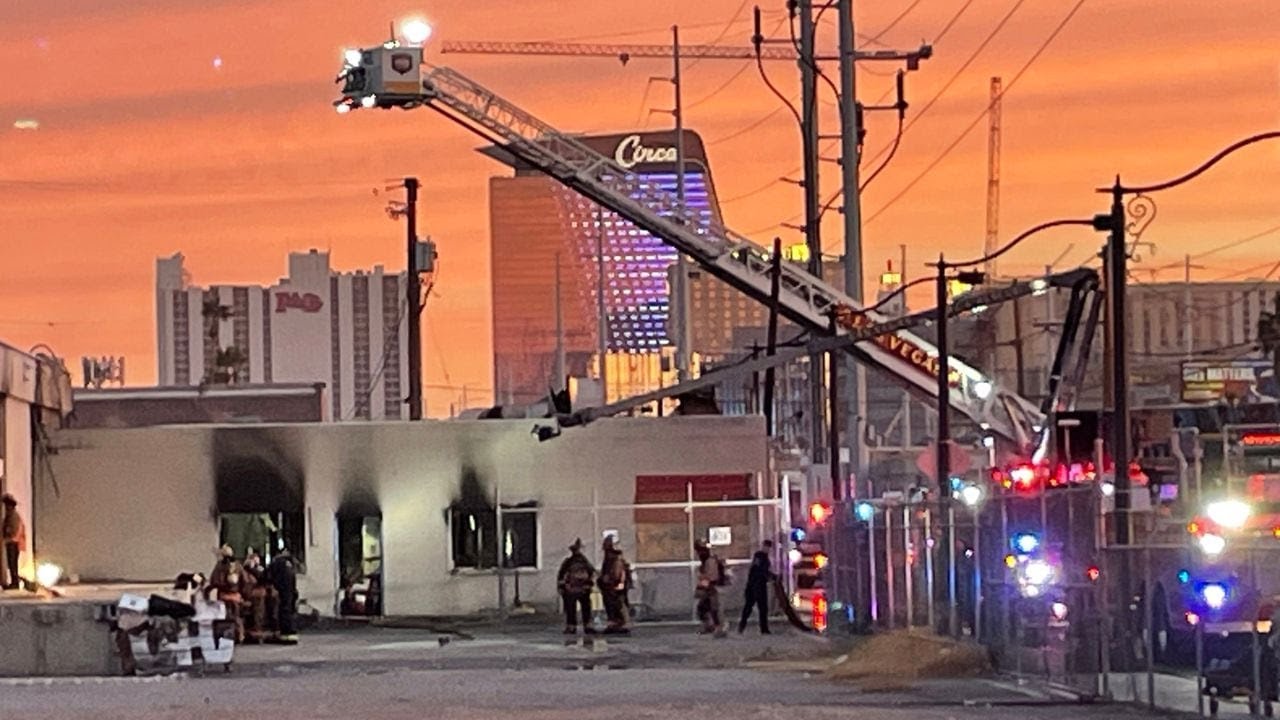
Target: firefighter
point(575, 580)
point(613, 587)
point(283, 576)
point(15, 541)
point(226, 581)
point(256, 589)
point(759, 577)
point(711, 577)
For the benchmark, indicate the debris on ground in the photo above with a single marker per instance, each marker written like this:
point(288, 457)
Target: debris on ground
point(894, 660)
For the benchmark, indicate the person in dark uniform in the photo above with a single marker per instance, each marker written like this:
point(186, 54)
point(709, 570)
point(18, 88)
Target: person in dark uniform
point(613, 587)
point(283, 575)
point(757, 593)
point(15, 542)
point(575, 579)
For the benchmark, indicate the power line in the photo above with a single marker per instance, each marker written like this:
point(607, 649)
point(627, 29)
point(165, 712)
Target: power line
point(960, 71)
point(725, 85)
point(724, 31)
point(1238, 243)
point(986, 109)
point(894, 22)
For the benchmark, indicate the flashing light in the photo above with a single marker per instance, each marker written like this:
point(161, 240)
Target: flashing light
point(1093, 573)
point(1026, 543)
point(820, 613)
point(368, 101)
point(971, 495)
point(352, 57)
point(798, 535)
point(1214, 595)
point(342, 108)
point(1212, 545)
point(988, 441)
point(1024, 477)
point(1275, 531)
point(416, 31)
point(820, 561)
point(956, 483)
point(795, 555)
point(1031, 591)
point(982, 389)
point(1191, 618)
point(48, 574)
point(1039, 286)
point(1038, 572)
point(1010, 561)
point(1230, 514)
point(1264, 439)
point(865, 511)
point(1184, 577)
point(819, 513)
point(1193, 527)
point(1059, 611)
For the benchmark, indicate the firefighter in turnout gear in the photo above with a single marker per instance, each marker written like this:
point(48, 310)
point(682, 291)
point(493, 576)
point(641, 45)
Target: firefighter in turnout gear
point(575, 579)
point(613, 587)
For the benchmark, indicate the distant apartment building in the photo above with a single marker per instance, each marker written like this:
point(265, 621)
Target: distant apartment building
point(344, 329)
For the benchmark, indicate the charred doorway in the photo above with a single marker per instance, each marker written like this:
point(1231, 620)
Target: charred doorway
point(260, 503)
point(359, 526)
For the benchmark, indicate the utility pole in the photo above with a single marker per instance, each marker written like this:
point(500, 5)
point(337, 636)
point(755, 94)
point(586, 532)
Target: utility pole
point(1117, 277)
point(1186, 307)
point(850, 158)
point(684, 361)
point(812, 212)
point(561, 372)
point(414, 298)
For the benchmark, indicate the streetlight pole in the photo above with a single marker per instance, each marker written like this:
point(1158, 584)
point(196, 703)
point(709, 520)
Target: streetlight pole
point(414, 298)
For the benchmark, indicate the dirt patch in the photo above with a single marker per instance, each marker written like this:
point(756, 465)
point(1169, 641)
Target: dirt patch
point(893, 661)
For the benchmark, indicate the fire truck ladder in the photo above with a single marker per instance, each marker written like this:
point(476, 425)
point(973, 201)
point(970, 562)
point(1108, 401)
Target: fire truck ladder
point(730, 257)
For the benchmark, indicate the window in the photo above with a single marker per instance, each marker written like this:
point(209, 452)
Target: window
point(475, 541)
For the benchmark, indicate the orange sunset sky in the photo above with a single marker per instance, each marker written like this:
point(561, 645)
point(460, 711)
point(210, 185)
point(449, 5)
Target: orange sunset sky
point(206, 127)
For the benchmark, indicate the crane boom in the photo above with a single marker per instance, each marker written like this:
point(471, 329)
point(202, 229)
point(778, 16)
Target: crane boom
point(394, 76)
point(623, 52)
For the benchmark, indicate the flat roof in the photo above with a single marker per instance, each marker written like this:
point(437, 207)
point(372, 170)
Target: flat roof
point(183, 391)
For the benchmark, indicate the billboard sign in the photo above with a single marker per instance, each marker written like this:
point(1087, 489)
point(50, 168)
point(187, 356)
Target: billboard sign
point(1214, 380)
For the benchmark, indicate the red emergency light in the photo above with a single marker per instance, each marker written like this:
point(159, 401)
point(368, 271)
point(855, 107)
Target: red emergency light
point(819, 513)
point(1260, 439)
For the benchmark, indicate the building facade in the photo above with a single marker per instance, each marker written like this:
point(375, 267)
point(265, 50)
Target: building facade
point(438, 506)
point(347, 330)
point(147, 406)
point(537, 225)
point(35, 394)
point(1205, 332)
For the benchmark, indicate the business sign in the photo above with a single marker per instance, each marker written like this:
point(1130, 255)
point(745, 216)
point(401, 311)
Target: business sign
point(306, 302)
point(631, 151)
point(720, 536)
point(919, 358)
point(1211, 381)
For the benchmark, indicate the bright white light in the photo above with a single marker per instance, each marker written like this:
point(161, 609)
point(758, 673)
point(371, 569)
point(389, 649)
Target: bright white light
point(1038, 572)
point(416, 31)
point(1030, 591)
point(342, 108)
point(352, 57)
point(368, 101)
point(971, 495)
point(988, 441)
point(1059, 610)
point(1108, 489)
point(48, 574)
point(1215, 595)
point(795, 556)
point(26, 124)
point(982, 389)
point(1230, 514)
point(1212, 544)
point(1039, 286)
point(865, 511)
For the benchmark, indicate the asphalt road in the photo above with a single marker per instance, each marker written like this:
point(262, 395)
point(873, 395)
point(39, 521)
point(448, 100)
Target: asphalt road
point(407, 674)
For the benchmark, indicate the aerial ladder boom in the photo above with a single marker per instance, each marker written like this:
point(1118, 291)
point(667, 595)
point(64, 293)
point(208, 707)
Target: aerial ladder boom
point(395, 76)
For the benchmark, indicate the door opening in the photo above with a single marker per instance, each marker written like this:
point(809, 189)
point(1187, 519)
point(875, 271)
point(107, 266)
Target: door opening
point(360, 564)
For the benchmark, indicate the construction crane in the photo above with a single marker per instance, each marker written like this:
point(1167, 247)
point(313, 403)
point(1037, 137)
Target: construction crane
point(624, 52)
point(993, 175)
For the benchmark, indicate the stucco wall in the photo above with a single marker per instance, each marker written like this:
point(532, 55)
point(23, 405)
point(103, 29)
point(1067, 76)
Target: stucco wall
point(138, 504)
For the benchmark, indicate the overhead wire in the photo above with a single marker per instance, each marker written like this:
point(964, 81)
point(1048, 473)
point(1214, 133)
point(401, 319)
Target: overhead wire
point(894, 22)
point(974, 123)
point(973, 56)
point(728, 82)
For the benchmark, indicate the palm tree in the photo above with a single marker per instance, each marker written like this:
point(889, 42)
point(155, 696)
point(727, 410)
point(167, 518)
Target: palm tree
point(214, 313)
point(227, 364)
point(1269, 335)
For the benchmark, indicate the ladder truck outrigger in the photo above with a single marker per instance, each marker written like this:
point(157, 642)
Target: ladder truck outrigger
point(394, 75)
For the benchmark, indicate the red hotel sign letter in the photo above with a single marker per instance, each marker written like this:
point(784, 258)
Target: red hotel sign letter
point(308, 303)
